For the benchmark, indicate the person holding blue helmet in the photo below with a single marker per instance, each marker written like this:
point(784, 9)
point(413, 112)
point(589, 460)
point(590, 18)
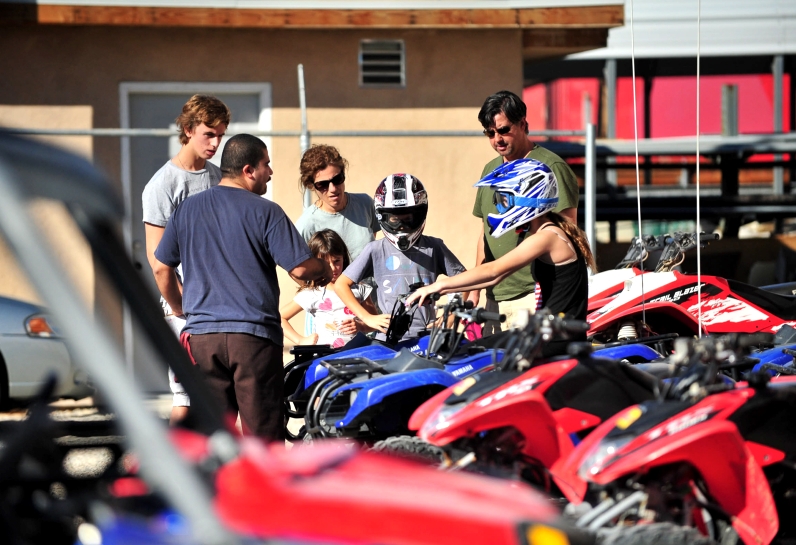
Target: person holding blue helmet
point(526, 194)
point(503, 119)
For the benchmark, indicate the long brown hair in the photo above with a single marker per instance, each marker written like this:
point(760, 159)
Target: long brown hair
point(577, 236)
point(323, 244)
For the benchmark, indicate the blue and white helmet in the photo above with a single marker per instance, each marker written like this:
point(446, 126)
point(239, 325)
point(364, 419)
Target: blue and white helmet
point(524, 189)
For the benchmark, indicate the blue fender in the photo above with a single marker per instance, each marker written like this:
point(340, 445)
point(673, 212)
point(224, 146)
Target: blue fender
point(775, 356)
point(637, 351)
point(470, 364)
point(316, 371)
point(417, 346)
point(374, 391)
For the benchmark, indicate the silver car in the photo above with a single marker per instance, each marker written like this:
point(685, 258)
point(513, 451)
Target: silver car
point(30, 350)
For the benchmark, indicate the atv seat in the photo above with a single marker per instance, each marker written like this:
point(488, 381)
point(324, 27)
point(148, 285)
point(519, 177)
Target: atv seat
point(407, 361)
point(781, 306)
point(788, 288)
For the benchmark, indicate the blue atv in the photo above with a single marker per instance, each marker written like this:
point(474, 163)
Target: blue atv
point(312, 362)
point(368, 394)
point(778, 360)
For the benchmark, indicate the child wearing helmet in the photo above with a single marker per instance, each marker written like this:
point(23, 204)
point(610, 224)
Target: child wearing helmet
point(525, 193)
point(403, 257)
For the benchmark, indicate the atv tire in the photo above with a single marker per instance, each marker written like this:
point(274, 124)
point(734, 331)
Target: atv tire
point(407, 446)
point(661, 533)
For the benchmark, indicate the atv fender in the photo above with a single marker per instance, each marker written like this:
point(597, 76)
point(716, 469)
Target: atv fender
point(733, 478)
point(635, 352)
point(316, 371)
point(374, 391)
point(519, 404)
point(662, 307)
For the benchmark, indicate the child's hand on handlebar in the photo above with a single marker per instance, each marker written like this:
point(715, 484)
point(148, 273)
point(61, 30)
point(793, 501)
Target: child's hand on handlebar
point(379, 322)
point(419, 296)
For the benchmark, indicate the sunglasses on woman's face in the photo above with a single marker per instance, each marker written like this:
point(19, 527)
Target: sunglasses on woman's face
point(324, 185)
point(502, 131)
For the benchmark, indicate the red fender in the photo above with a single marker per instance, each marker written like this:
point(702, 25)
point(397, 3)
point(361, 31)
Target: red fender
point(733, 478)
point(662, 307)
point(519, 404)
point(424, 411)
point(268, 491)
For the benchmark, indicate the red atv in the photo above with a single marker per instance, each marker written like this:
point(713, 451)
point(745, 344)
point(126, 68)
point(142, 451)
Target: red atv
point(709, 456)
point(669, 302)
point(604, 286)
point(519, 423)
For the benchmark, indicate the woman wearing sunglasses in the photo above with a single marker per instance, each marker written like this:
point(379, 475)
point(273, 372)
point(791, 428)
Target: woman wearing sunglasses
point(525, 194)
point(350, 215)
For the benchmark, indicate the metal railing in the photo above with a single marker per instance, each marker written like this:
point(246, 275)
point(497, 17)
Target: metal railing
point(305, 136)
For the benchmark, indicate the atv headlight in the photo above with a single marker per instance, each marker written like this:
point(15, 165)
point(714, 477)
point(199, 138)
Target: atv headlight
point(441, 419)
point(601, 455)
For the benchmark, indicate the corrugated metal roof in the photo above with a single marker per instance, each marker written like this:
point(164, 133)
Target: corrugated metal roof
point(668, 28)
point(329, 4)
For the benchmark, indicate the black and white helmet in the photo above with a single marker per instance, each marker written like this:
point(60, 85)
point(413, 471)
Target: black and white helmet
point(401, 205)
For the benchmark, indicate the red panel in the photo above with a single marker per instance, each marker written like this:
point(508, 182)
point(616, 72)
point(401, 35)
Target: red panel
point(574, 421)
point(369, 498)
point(535, 98)
point(765, 456)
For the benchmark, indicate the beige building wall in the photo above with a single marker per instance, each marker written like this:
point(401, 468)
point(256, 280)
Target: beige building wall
point(52, 218)
point(448, 73)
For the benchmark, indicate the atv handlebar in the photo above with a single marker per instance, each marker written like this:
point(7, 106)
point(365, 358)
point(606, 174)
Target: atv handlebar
point(479, 315)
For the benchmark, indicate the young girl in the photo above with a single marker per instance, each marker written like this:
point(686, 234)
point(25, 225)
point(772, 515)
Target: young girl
point(526, 191)
point(334, 323)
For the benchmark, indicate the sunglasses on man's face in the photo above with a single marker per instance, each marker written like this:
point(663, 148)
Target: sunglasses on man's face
point(501, 131)
point(324, 185)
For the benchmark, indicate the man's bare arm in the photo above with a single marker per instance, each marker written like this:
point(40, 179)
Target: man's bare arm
point(169, 286)
point(153, 234)
point(312, 269)
point(480, 255)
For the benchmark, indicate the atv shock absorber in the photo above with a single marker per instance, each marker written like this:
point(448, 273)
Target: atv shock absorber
point(627, 330)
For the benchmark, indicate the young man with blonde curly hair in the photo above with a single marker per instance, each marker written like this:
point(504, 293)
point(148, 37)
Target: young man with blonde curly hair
point(201, 126)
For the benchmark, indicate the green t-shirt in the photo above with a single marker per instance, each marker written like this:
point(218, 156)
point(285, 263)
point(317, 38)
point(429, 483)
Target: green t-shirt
point(521, 282)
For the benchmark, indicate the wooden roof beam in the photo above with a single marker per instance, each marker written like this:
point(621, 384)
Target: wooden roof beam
point(551, 17)
point(541, 43)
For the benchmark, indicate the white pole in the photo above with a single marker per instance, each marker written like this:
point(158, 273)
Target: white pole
point(778, 69)
point(590, 189)
point(304, 139)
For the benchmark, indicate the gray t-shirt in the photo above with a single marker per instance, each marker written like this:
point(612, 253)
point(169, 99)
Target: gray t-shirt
point(355, 224)
point(394, 271)
point(170, 186)
point(167, 188)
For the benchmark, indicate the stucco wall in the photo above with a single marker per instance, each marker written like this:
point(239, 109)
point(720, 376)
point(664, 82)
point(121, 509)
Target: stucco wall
point(52, 218)
point(448, 74)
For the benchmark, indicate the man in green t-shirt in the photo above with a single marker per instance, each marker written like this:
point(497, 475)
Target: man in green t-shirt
point(503, 119)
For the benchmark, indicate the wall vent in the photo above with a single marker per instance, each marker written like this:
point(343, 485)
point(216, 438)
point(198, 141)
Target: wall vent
point(382, 63)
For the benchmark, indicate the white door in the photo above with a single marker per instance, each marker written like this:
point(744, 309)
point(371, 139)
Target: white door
point(155, 106)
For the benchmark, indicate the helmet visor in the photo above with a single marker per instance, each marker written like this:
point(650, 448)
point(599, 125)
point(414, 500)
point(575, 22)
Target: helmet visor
point(402, 220)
